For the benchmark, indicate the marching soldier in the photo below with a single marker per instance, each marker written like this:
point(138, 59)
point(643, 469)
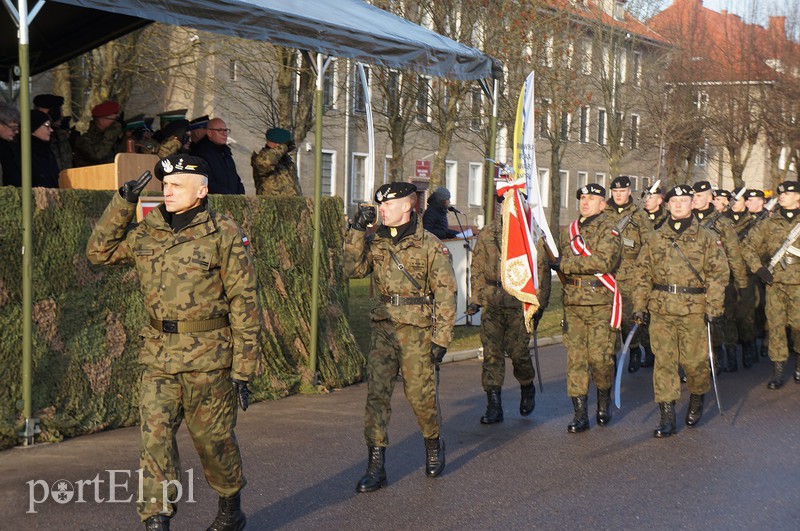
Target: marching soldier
point(591, 250)
point(274, 171)
point(412, 322)
point(710, 218)
point(755, 203)
point(767, 238)
point(682, 273)
point(657, 214)
point(503, 321)
point(202, 346)
point(633, 226)
point(721, 199)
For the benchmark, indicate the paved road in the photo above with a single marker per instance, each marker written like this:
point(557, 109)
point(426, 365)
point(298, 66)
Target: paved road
point(303, 456)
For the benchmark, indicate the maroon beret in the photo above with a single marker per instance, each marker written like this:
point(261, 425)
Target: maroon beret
point(107, 108)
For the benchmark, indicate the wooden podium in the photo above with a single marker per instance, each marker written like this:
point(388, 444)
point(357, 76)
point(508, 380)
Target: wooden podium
point(126, 167)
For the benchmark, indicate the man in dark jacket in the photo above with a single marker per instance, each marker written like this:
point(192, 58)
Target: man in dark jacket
point(435, 218)
point(223, 178)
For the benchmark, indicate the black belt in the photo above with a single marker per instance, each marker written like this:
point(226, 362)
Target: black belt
point(397, 300)
point(672, 288)
point(185, 327)
point(584, 282)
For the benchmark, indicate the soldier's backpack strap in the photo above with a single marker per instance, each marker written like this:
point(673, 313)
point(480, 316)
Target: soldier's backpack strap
point(688, 263)
point(402, 268)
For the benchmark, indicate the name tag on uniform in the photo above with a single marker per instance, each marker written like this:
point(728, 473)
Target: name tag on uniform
point(627, 242)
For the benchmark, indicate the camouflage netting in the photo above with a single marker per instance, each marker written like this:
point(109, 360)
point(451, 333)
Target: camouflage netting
point(86, 319)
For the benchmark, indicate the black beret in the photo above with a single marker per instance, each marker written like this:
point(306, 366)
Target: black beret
point(678, 191)
point(38, 119)
point(789, 186)
point(722, 193)
point(754, 193)
point(179, 163)
point(394, 190)
point(701, 186)
point(591, 189)
point(623, 181)
point(48, 101)
point(278, 135)
point(657, 191)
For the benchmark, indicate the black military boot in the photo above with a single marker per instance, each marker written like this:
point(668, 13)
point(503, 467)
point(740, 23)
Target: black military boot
point(230, 516)
point(732, 365)
point(158, 522)
point(581, 420)
point(634, 359)
point(494, 407)
point(527, 400)
point(695, 411)
point(797, 367)
point(434, 457)
point(777, 376)
point(375, 477)
point(748, 353)
point(649, 357)
point(666, 426)
point(603, 406)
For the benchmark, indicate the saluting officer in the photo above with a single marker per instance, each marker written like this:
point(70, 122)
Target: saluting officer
point(274, 170)
point(202, 346)
point(634, 227)
point(783, 283)
point(591, 250)
point(412, 321)
point(682, 274)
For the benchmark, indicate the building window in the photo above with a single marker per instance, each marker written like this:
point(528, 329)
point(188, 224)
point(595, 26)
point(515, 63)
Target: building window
point(387, 169)
point(584, 125)
point(423, 105)
point(544, 119)
point(546, 59)
point(634, 183)
point(602, 130)
point(563, 176)
point(233, 70)
point(702, 102)
point(329, 87)
point(565, 123)
point(544, 186)
point(637, 68)
point(359, 101)
point(358, 179)
point(701, 157)
point(619, 10)
point(634, 131)
point(451, 179)
point(328, 158)
point(392, 101)
point(476, 109)
point(645, 183)
point(607, 61)
point(475, 184)
point(582, 180)
point(622, 64)
point(600, 178)
point(586, 60)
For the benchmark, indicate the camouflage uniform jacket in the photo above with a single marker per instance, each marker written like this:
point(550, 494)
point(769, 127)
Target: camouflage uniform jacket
point(660, 262)
point(201, 272)
point(96, 146)
point(658, 217)
point(274, 172)
point(765, 239)
point(601, 238)
point(730, 243)
point(168, 147)
point(426, 258)
point(633, 235)
point(485, 270)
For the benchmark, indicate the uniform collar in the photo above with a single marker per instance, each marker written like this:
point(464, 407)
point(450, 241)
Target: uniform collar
point(586, 221)
point(398, 234)
point(619, 209)
point(791, 215)
point(702, 214)
point(679, 226)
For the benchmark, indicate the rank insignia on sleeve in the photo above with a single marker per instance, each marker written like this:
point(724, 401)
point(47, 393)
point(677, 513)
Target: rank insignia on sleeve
point(615, 232)
point(719, 243)
point(245, 240)
point(445, 250)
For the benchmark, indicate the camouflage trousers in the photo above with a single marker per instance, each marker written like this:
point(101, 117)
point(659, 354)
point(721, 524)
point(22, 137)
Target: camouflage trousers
point(783, 303)
point(503, 331)
point(590, 341)
point(679, 339)
point(392, 347)
point(207, 402)
point(761, 306)
point(725, 333)
point(742, 315)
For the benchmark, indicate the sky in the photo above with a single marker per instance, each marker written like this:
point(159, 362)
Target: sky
point(745, 7)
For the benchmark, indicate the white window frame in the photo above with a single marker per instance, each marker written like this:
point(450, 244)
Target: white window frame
point(564, 176)
point(545, 119)
point(622, 64)
point(582, 179)
point(332, 153)
point(585, 132)
point(566, 125)
point(357, 88)
point(428, 100)
point(544, 186)
point(637, 68)
point(354, 197)
point(387, 162)
point(600, 178)
point(475, 184)
point(451, 179)
point(602, 132)
point(586, 65)
point(333, 72)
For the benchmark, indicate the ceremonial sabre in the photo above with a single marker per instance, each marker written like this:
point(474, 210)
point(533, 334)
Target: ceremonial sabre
point(713, 368)
point(626, 347)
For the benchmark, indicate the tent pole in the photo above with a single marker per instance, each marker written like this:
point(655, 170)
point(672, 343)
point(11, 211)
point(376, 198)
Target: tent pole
point(31, 424)
point(490, 188)
point(314, 324)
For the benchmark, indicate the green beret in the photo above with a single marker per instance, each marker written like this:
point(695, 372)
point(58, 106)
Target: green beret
point(279, 136)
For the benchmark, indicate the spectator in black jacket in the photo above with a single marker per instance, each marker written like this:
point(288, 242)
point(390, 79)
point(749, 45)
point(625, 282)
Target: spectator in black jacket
point(214, 149)
point(44, 167)
point(435, 217)
point(10, 173)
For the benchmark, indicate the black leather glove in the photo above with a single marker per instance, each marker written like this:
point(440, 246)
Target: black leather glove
point(556, 266)
point(365, 216)
point(437, 353)
point(291, 146)
point(131, 189)
point(537, 315)
point(764, 274)
point(473, 308)
point(641, 318)
point(242, 393)
point(713, 320)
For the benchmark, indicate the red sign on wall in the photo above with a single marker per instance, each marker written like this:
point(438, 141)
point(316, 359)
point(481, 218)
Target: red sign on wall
point(423, 169)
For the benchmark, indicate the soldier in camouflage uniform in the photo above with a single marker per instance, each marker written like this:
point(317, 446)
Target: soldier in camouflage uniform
point(783, 283)
point(202, 345)
point(755, 203)
point(274, 171)
point(682, 272)
point(657, 214)
point(412, 321)
point(503, 321)
point(100, 143)
point(588, 305)
point(634, 227)
point(709, 217)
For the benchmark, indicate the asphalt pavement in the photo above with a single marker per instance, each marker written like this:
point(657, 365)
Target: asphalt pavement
point(304, 454)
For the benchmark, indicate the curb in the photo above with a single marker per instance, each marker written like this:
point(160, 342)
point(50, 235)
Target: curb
point(452, 357)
